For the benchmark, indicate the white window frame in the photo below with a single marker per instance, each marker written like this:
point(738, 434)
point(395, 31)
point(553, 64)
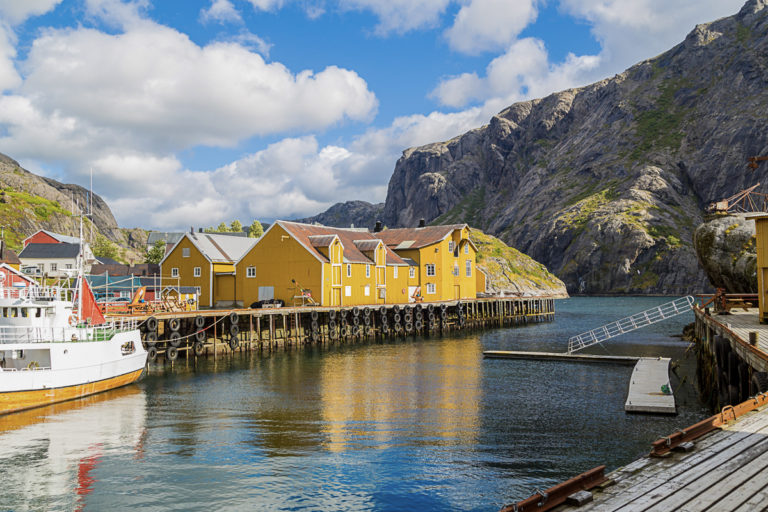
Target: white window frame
point(456, 269)
point(451, 246)
point(197, 289)
point(468, 267)
point(466, 248)
point(367, 271)
point(394, 271)
point(430, 268)
point(185, 252)
point(197, 272)
point(54, 267)
point(349, 270)
point(68, 266)
point(431, 288)
point(367, 290)
point(412, 272)
point(175, 272)
point(250, 272)
point(347, 291)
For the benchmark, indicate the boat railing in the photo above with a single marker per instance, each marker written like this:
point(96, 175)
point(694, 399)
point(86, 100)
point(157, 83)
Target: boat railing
point(27, 334)
point(35, 292)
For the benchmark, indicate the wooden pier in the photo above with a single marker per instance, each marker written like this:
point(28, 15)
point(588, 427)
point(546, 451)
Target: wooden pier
point(718, 464)
point(649, 388)
point(205, 332)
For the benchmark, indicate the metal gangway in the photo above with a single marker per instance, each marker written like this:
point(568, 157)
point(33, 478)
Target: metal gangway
point(630, 323)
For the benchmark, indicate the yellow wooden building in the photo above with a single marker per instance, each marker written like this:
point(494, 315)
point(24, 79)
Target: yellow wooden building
point(442, 258)
point(305, 264)
point(206, 261)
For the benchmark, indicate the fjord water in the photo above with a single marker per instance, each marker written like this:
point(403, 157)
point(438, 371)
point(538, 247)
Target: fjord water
point(414, 424)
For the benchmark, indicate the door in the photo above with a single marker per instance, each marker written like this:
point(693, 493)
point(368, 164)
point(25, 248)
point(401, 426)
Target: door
point(456, 291)
point(336, 296)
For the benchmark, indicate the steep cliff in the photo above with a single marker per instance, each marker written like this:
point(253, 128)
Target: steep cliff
point(29, 202)
point(605, 184)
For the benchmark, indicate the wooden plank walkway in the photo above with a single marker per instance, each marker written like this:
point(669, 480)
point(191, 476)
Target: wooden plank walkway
point(727, 470)
point(646, 393)
point(740, 323)
point(559, 356)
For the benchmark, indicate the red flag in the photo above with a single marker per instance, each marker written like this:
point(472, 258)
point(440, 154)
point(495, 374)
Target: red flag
point(90, 308)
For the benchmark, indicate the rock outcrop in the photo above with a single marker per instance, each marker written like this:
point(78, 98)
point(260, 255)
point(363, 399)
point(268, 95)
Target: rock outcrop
point(605, 184)
point(726, 248)
point(510, 272)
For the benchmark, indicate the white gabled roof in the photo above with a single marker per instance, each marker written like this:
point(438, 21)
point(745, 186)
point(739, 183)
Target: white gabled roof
point(217, 248)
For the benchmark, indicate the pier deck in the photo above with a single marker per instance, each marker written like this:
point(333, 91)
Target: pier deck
point(727, 470)
point(646, 393)
point(737, 325)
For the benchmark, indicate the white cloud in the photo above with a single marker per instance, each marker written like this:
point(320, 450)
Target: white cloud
point(221, 11)
point(16, 11)
point(9, 77)
point(523, 72)
point(252, 42)
point(267, 5)
point(118, 13)
point(400, 16)
point(166, 93)
point(483, 25)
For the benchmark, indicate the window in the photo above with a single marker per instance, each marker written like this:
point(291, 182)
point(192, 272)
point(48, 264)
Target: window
point(456, 269)
point(466, 248)
point(469, 268)
point(430, 269)
point(185, 252)
point(68, 266)
point(349, 270)
point(198, 273)
point(367, 271)
point(367, 290)
point(174, 272)
point(431, 288)
point(250, 272)
point(394, 272)
point(412, 272)
point(451, 246)
point(347, 291)
point(197, 290)
point(54, 267)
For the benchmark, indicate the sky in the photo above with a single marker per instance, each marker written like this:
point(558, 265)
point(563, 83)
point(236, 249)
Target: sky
point(195, 112)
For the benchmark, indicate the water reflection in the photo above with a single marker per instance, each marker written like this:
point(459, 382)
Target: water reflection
point(426, 393)
point(50, 455)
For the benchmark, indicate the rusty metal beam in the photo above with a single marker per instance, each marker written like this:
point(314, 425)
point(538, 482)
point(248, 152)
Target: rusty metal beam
point(557, 495)
point(729, 413)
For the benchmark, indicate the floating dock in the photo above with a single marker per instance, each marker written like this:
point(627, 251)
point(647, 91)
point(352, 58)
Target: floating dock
point(649, 388)
point(559, 356)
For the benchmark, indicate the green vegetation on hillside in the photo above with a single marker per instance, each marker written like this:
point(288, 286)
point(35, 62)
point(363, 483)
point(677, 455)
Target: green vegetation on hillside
point(20, 207)
point(506, 266)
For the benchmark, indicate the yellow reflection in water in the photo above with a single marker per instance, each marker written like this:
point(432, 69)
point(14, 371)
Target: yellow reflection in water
point(424, 392)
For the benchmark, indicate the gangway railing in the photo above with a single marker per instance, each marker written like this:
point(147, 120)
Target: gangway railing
point(630, 323)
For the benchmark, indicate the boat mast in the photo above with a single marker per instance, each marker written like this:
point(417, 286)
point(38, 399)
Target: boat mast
point(80, 275)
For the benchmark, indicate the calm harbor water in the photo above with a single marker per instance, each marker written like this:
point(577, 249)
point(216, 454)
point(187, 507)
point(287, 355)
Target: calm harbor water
point(415, 424)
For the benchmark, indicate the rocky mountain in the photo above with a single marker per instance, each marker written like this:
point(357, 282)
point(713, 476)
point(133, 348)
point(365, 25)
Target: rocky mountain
point(341, 215)
point(29, 202)
point(726, 248)
point(604, 184)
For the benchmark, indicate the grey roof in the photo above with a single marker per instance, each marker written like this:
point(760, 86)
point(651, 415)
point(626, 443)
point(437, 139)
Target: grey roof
point(107, 261)
point(321, 240)
point(166, 236)
point(44, 251)
point(62, 238)
point(411, 262)
point(367, 245)
point(221, 248)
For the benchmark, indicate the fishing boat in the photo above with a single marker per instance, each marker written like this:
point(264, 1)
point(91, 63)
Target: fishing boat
point(56, 345)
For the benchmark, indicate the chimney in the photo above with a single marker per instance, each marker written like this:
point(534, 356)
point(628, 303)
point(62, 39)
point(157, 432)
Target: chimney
point(191, 231)
point(377, 227)
point(422, 223)
point(199, 230)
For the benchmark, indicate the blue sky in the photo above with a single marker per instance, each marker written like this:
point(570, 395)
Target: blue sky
point(195, 112)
